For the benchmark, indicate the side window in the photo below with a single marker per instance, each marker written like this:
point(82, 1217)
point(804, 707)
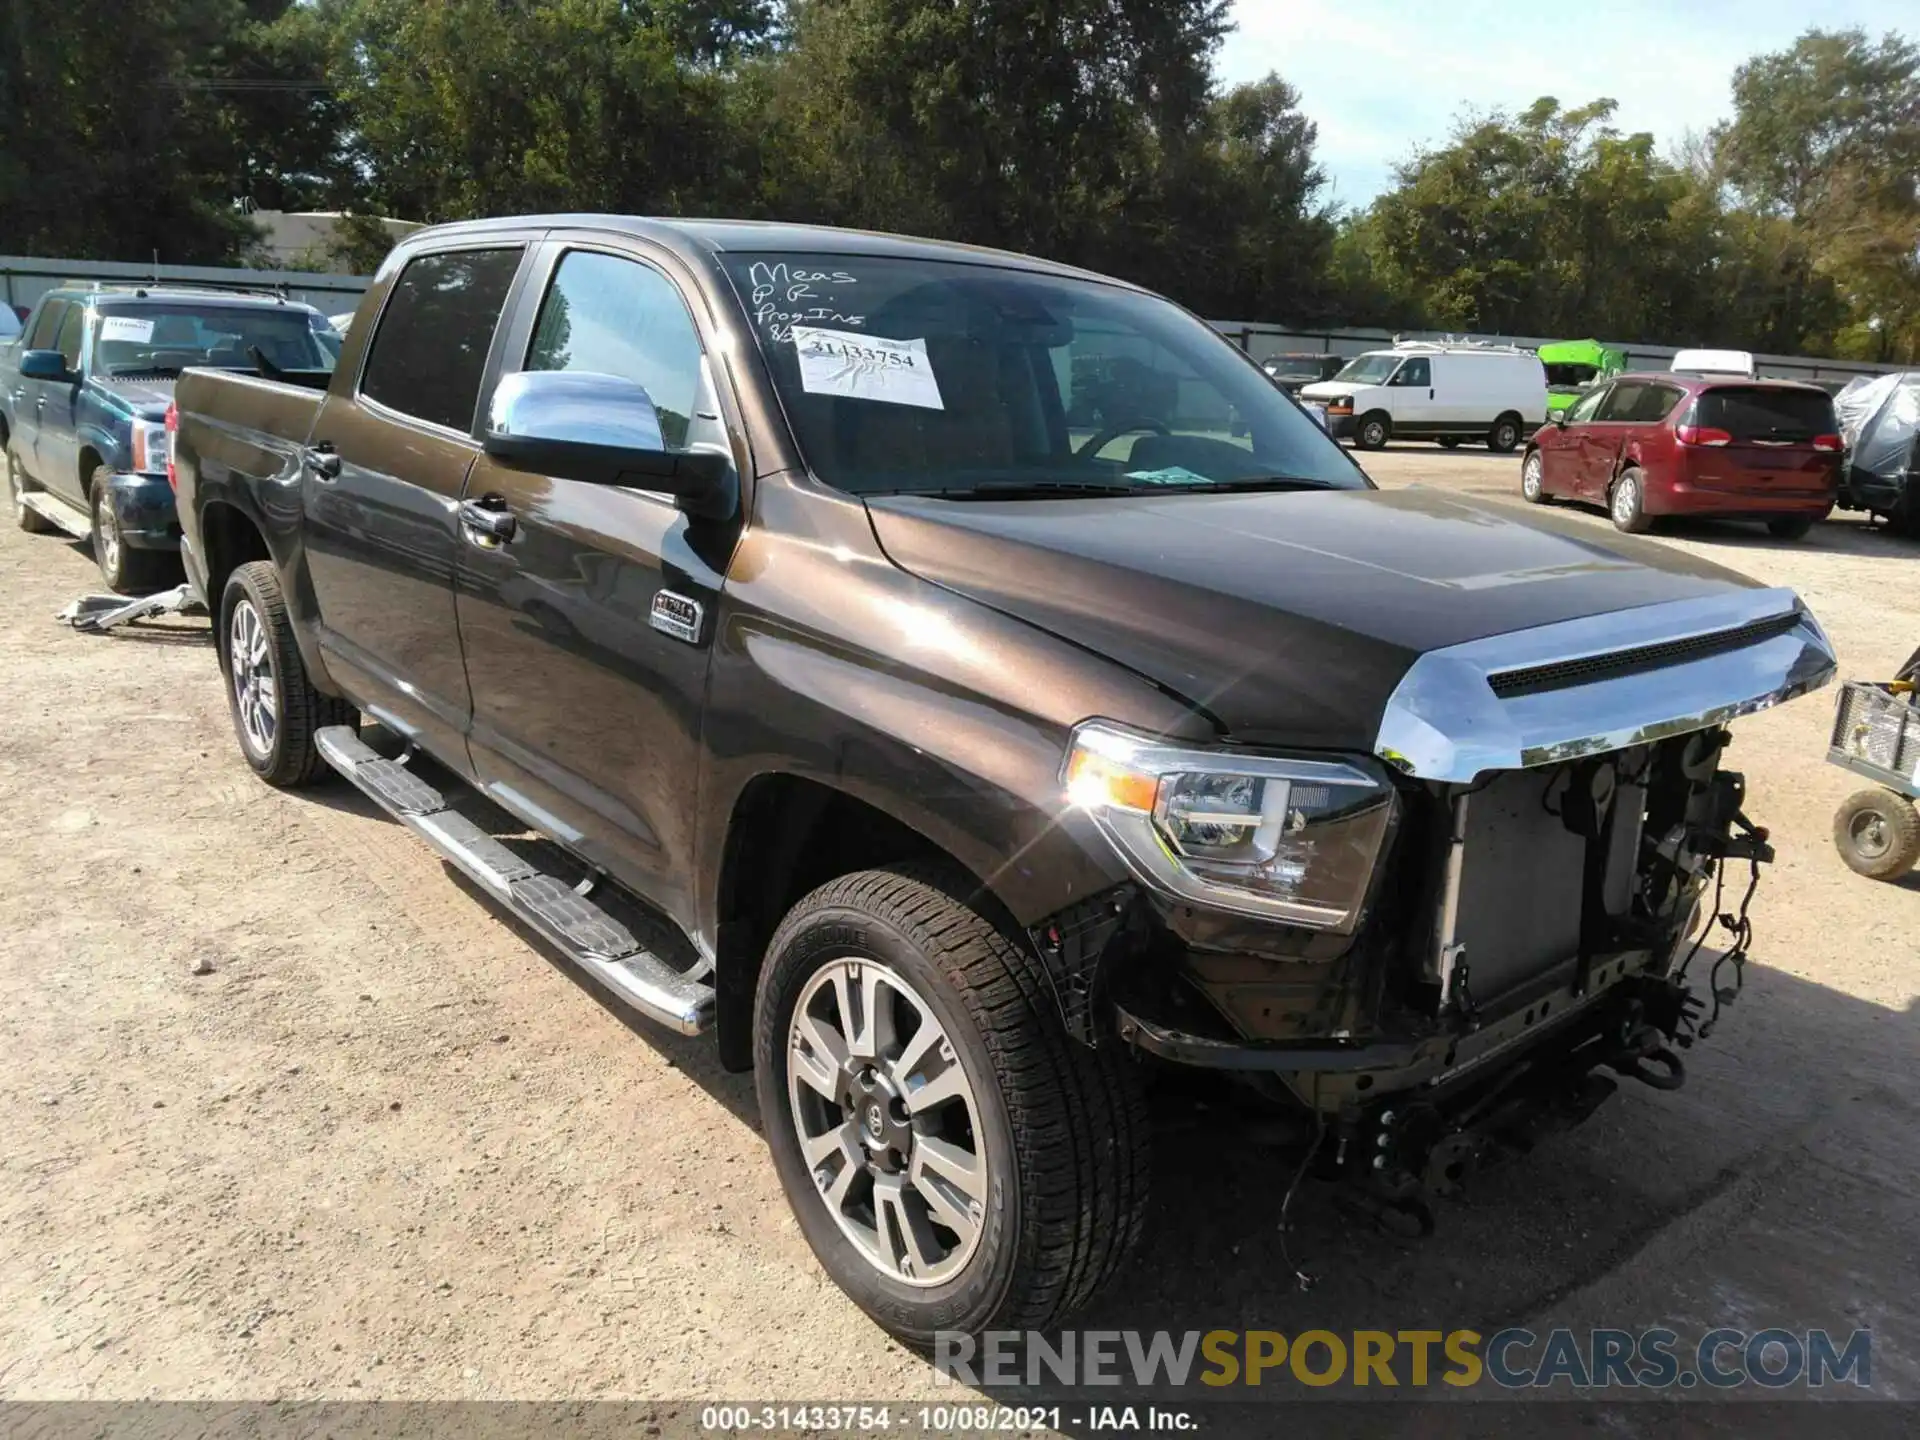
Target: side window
point(1583, 408)
point(47, 326)
point(431, 347)
point(613, 316)
point(1656, 404)
point(69, 342)
point(1621, 402)
point(1415, 374)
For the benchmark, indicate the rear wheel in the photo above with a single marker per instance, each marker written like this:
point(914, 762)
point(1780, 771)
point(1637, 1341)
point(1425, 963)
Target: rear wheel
point(126, 570)
point(954, 1158)
point(1533, 478)
point(1790, 527)
point(1373, 431)
point(1628, 504)
point(1504, 434)
point(31, 521)
point(1878, 834)
point(275, 708)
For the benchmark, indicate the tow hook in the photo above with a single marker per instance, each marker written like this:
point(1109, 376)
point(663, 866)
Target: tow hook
point(1659, 1068)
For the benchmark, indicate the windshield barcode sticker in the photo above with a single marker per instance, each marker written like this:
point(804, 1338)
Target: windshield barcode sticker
point(866, 367)
point(126, 327)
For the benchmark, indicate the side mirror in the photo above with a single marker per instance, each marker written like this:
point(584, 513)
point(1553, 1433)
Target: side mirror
point(44, 365)
point(600, 430)
point(1560, 416)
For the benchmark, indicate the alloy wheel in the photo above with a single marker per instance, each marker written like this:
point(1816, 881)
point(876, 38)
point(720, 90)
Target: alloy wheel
point(1532, 484)
point(887, 1121)
point(256, 698)
point(108, 532)
point(1626, 500)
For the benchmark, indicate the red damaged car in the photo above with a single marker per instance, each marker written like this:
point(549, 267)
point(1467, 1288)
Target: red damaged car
point(1650, 445)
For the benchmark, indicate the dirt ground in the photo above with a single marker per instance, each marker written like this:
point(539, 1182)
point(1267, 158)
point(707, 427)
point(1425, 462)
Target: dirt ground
point(289, 1113)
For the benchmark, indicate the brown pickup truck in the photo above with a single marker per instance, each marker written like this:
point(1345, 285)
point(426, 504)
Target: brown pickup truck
point(996, 691)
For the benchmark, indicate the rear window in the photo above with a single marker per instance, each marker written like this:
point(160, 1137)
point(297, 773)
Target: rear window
point(1756, 414)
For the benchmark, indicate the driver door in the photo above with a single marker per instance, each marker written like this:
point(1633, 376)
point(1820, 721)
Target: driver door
point(1415, 409)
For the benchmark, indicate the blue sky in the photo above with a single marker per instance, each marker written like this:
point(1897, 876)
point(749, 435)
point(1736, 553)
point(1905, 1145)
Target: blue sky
point(1385, 77)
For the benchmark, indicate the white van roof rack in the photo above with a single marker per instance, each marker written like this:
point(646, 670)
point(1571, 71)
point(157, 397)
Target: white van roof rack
point(1450, 344)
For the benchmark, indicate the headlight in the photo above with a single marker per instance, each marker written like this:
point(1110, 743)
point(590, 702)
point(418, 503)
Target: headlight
point(149, 447)
point(1290, 840)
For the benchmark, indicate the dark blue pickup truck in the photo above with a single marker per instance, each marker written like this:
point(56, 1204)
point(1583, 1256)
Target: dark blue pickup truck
point(84, 391)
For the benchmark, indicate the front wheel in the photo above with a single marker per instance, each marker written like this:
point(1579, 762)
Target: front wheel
point(1878, 834)
point(275, 708)
point(127, 571)
point(954, 1158)
point(1372, 432)
point(1628, 505)
point(1533, 478)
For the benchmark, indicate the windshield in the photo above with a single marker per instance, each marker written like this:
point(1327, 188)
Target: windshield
point(1563, 373)
point(1370, 369)
point(936, 377)
point(1307, 368)
point(165, 338)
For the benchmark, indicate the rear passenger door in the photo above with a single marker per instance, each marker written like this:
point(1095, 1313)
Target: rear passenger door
point(380, 492)
point(29, 398)
point(588, 628)
point(56, 445)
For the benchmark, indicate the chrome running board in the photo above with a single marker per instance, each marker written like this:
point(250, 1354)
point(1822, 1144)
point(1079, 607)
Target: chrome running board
point(573, 924)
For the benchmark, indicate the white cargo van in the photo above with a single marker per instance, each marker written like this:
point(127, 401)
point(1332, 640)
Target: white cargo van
point(1448, 391)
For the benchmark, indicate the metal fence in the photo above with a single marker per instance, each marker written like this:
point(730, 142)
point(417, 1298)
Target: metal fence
point(24, 279)
point(1260, 341)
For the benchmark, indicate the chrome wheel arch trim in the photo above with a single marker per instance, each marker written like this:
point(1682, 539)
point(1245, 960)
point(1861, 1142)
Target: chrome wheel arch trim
point(1444, 722)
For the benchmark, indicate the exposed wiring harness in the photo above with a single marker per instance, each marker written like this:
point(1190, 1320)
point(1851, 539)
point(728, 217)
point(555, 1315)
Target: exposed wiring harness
point(1739, 927)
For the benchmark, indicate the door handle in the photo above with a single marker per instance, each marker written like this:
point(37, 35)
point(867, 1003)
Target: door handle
point(322, 461)
point(487, 520)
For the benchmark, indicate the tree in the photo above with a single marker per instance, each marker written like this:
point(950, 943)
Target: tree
point(1826, 137)
point(115, 146)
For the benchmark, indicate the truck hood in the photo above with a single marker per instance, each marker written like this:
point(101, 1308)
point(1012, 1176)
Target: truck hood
point(146, 396)
point(1291, 617)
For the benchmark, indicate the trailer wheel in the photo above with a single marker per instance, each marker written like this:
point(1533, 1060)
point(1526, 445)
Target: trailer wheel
point(1878, 834)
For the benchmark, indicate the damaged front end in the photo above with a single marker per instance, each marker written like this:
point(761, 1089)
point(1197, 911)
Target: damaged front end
point(1544, 843)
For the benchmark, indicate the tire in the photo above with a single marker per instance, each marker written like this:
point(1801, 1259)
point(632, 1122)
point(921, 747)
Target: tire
point(1878, 834)
point(1533, 479)
point(1504, 435)
point(1373, 431)
point(1790, 527)
point(1056, 1133)
point(275, 728)
point(1449, 442)
point(31, 521)
point(1627, 503)
point(127, 571)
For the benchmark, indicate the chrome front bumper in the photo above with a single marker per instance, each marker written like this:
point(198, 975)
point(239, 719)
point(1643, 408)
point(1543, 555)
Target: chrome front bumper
point(1601, 683)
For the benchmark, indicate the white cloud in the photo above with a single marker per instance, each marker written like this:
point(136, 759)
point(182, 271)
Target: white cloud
point(1383, 79)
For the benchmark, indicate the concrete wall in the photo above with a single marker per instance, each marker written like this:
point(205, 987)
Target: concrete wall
point(1261, 341)
point(24, 280)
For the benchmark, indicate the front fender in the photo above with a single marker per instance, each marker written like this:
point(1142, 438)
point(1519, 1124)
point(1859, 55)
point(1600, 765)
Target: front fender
point(834, 665)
